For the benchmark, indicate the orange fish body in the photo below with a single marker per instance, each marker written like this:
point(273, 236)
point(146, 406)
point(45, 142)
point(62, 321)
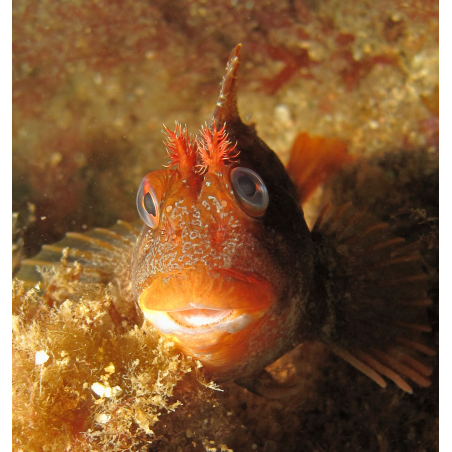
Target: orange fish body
point(226, 267)
point(209, 269)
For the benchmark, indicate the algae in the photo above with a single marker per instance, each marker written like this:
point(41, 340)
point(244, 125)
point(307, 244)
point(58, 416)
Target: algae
point(84, 381)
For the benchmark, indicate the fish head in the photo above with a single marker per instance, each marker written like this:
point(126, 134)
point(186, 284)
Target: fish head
point(214, 266)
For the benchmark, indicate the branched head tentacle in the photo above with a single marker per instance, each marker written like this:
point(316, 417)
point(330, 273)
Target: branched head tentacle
point(214, 148)
point(181, 148)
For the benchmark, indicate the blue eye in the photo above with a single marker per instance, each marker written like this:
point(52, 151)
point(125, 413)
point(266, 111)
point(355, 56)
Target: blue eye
point(250, 191)
point(147, 204)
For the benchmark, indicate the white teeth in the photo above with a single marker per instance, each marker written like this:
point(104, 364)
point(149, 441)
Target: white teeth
point(238, 324)
point(196, 324)
point(199, 317)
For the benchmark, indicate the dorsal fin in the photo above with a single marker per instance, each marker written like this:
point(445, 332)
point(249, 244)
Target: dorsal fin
point(226, 108)
point(313, 160)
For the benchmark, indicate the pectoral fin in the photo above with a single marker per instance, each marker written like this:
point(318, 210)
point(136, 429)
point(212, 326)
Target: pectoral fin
point(376, 297)
point(95, 250)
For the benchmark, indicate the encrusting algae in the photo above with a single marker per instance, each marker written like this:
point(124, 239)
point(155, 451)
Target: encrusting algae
point(261, 284)
point(83, 381)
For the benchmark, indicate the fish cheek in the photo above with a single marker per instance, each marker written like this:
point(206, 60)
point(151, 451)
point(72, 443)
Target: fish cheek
point(289, 242)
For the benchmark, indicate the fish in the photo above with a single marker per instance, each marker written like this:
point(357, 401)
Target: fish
point(224, 264)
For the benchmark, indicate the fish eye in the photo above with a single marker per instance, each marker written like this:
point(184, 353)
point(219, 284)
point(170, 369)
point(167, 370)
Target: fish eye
point(147, 204)
point(250, 191)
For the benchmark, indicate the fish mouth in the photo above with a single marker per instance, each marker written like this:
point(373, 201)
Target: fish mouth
point(205, 304)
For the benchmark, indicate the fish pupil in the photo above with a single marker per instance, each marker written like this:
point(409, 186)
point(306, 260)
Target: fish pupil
point(247, 186)
point(149, 205)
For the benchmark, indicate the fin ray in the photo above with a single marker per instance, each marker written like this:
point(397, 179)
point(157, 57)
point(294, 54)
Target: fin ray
point(383, 370)
point(94, 250)
point(376, 294)
point(416, 346)
point(415, 364)
point(93, 241)
point(355, 362)
point(402, 368)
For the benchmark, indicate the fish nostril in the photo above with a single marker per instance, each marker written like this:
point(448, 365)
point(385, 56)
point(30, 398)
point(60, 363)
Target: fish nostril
point(219, 232)
point(171, 232)
point(218, 235)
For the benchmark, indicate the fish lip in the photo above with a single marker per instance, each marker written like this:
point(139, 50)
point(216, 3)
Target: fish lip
point(232, 300)
point(217, 289)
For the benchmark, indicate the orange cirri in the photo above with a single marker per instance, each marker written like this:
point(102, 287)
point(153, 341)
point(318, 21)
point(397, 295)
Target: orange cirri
point(227, 268)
